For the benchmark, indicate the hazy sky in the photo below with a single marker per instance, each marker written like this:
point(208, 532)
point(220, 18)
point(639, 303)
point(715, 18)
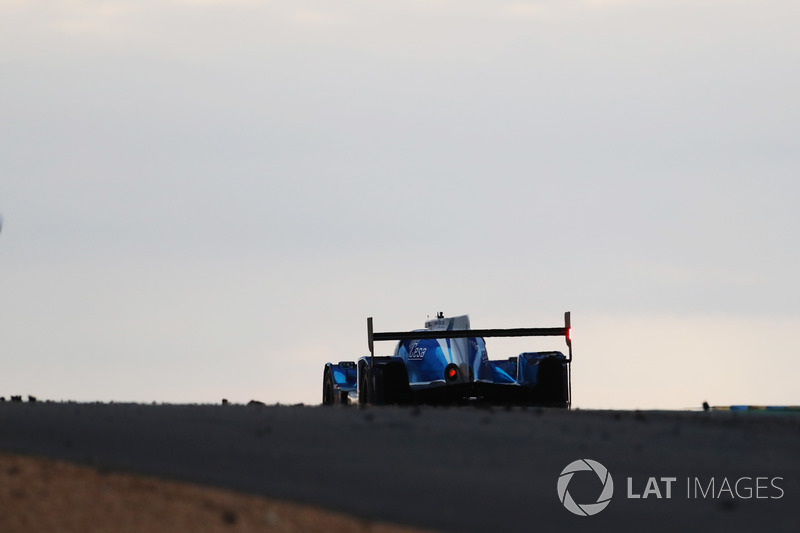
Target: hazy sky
point(205, 199)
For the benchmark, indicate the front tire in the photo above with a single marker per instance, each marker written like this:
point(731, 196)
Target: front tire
point(327, 388)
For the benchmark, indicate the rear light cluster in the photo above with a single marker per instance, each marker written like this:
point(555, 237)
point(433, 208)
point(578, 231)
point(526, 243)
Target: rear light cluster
point(451, 372)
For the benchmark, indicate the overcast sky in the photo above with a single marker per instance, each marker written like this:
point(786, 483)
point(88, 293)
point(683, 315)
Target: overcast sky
point(205, 199)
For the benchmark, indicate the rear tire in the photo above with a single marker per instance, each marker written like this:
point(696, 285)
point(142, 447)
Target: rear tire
point(552, 390)
point(391, 384)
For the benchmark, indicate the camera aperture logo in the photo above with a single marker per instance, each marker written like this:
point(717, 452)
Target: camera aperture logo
point(585, 509)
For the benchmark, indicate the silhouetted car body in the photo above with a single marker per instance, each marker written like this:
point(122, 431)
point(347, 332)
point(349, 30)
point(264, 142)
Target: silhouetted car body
point(447, 362)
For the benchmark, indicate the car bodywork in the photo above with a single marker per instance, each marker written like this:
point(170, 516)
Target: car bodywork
point(447, 362)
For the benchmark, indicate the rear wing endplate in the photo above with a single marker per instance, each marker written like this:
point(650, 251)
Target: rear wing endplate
point(565, 331)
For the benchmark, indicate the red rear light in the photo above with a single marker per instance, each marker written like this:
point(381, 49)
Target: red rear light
point(451, 372)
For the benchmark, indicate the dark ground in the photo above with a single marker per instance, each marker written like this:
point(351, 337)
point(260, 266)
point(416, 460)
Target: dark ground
point(452, 469)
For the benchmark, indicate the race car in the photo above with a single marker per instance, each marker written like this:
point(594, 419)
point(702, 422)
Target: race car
point(447, 363)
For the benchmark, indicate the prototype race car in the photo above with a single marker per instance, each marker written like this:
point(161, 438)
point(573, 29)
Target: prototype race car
point(447, 363)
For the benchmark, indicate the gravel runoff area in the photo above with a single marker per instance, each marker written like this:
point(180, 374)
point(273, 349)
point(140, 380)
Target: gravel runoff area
point(47, 496)
point(448, 469)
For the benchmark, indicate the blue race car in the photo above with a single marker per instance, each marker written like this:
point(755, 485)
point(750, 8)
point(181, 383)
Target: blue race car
point(447, 363)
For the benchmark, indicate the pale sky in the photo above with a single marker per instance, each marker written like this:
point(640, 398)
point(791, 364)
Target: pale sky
point(205, 199)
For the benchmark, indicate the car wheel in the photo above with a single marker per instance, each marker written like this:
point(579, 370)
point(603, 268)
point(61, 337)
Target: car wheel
point(391, 384)
point(364, 389)
point(327, 388)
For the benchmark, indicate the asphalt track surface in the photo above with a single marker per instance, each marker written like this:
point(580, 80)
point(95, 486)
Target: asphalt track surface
point(452, 469)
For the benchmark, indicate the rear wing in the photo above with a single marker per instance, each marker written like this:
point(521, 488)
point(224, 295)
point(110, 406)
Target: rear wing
point(565, 331)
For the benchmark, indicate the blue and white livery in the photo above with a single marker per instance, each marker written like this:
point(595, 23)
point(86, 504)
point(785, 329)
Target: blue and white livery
point(447, 362)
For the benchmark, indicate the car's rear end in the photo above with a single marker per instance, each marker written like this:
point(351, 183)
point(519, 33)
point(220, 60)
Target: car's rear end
point(448, 363)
